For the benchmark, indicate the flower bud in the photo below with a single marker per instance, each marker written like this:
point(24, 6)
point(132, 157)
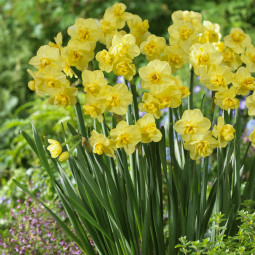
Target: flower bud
point(64, 156)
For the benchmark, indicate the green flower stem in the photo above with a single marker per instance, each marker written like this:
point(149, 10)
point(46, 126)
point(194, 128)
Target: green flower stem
point(79, 115)
point(70, 139)
point(212, 106)
point(191, 84)
point(74, 146)
point(246, 153)
point(135, 105)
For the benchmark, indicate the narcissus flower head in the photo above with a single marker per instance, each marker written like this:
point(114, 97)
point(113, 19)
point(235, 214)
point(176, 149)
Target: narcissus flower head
point(55, 148)
point(243, 81)
point(202, 145)
point(156, 75)
point(192, 123)
point(93, 81)
point(101, 144)
point(226, 99)
point(224, 133)
point(147, 128)
point(126, 136)
point(151, 105)
point(237, 40)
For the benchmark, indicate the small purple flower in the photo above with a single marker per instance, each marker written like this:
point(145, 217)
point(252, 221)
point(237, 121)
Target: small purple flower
point(242, 104)
point(196, 89)
point(120, 79)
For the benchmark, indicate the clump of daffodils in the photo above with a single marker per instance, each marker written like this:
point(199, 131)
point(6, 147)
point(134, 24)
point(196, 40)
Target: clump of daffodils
point(225, 66)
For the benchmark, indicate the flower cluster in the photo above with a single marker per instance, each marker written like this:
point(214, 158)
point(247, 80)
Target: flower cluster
point(34, 232)
point(194, 129)
point(126, 136)
point(224, 66)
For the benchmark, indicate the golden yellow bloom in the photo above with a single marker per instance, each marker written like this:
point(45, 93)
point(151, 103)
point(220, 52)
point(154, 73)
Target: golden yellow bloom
point(124, 46)
point(148, 130)
point(194, 18)
point(63, 96)
point(64, 156)
point(204, 55)
point(175, 56)
point(217, 77)
point(47, 80)
point(183, 34)
point(170, 96)
point(76, 54)
point(250, 103)
point(101, 144)
point(248, 57)
point(138, 28)
point(108, 29)
point(183, 89)
point(124, 67)
point(156, 75)
point(54, 148)
point(118, 98)
point(125, 136)
point(237, 40)
point(243, 81)
point(93, 81)
point(211, 32)
point(224, 133)
point(252, 137)
point(201, 145)
point(226, 99)
point(117, 14)
point(231, 59)
point(151, 105)
point(95, 106)
point(153, 47)
point(45, 56)
point(105, 60)
point(86, 31)
point(192, 123)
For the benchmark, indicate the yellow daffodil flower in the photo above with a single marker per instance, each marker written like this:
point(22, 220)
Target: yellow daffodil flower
point(217, 77)
point(118, 98)
point(54, 148)
point(151, 105)
point(226, 99)
point(63, 96)
point(93, 81)
point(175, 56)
point(156, 75)
point(138, 28)
point(248, 57)
point(124, 67)
point(192, 123)
point(153, 47)
point(243, 81)
point(105, 60)
point(148, 130)
point(201, 145)
point(224, 133)
point(47, 56)
point(101, 144)
point(126, 136)
point(237, 40)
